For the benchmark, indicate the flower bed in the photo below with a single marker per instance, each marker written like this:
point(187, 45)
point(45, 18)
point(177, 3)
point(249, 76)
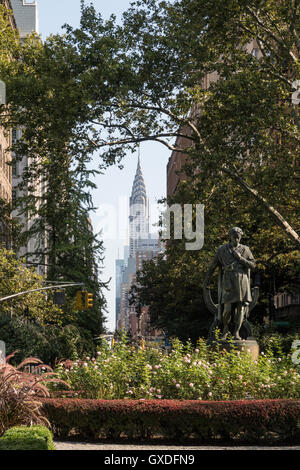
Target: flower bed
point(186, 373)
point(243, 421)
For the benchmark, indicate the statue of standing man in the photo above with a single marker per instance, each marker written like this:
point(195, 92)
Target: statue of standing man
point(234, 261)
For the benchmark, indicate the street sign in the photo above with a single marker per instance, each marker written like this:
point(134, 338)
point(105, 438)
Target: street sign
point(59, 298)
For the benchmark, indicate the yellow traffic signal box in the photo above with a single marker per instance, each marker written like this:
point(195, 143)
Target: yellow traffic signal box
point(84, 300)
point(89, 300)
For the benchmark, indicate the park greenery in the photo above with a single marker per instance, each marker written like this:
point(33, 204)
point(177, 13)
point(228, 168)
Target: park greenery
point(95, 93)
point(32, 324)
point(185, 372)
point(103, 88)
point(65, 245)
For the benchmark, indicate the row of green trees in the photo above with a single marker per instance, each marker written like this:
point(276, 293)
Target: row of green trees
point(105, 87)
point(65, 243)
point(243, 157)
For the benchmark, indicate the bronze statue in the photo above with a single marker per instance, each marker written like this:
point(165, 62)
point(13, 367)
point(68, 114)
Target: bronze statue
point(234, 261)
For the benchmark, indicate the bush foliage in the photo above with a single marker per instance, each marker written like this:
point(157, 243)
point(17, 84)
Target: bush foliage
point(246, 421)
point(27, 438)
point(201, 373)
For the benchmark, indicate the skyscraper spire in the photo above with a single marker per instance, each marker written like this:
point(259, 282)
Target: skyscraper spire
point(139, 210)
point(138, 192)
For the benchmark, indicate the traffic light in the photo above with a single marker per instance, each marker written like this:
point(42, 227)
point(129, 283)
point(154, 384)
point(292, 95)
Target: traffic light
point(89, 300)
point(84, 300)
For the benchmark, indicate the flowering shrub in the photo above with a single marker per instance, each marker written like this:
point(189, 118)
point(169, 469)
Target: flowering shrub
point(188, 373)
point(20, 393)
point(243, 421)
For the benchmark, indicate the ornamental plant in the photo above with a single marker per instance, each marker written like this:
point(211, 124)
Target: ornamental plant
point(186, 373)
point(20, 393)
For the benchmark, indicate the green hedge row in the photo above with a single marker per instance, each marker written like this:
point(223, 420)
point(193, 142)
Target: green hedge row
point(27, 438)
point(245, 421)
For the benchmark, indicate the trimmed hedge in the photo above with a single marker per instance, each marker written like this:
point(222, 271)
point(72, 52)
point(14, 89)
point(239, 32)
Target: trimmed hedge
point(27, 438)
point(243, 420)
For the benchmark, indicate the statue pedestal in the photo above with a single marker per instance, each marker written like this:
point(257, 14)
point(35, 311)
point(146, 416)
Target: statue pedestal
point(2, 352)
point(250, 345)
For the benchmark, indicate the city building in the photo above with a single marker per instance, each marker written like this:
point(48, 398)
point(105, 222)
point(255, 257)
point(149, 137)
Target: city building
point(143, 245)
point(5, 156)
point(287, 307)
point(138, 212)
point(26, 16)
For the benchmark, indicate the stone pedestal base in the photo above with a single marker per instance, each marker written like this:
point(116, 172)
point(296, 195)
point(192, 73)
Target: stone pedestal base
point(2, 352)
point(249, 345)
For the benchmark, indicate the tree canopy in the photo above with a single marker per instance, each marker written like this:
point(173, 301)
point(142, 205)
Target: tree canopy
point(104, 88)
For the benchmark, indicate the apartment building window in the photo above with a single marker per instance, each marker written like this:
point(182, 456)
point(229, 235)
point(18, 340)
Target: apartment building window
point(14, 197)
point(14, 136)
point(14, 167)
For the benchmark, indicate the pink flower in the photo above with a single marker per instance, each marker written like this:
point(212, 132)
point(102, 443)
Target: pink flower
point(209, 394)
point(196, 350)
point(191, 385)
point(177, 385)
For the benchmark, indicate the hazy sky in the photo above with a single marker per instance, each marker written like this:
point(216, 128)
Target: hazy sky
point(114, 187)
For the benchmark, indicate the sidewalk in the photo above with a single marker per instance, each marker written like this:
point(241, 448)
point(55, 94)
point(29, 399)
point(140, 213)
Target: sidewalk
point(63, 445)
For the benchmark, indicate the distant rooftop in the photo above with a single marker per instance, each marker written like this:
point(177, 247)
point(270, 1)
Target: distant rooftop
point(26, 16)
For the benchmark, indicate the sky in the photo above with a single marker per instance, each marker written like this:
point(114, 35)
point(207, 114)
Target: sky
point(111, 198)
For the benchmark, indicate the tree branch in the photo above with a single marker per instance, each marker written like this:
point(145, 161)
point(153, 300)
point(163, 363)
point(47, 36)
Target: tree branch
point(277, 217)
point(136, 140)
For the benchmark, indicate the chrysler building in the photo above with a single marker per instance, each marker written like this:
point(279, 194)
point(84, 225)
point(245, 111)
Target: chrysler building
point(139, 213)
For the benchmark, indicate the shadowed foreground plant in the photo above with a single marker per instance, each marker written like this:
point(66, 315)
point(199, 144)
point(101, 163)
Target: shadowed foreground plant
point(20, 392)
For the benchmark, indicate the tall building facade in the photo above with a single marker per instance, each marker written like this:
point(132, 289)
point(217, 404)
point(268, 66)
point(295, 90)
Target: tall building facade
point(5, 154)
point(26, 16)
point(143, 245)
point(139, 212)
